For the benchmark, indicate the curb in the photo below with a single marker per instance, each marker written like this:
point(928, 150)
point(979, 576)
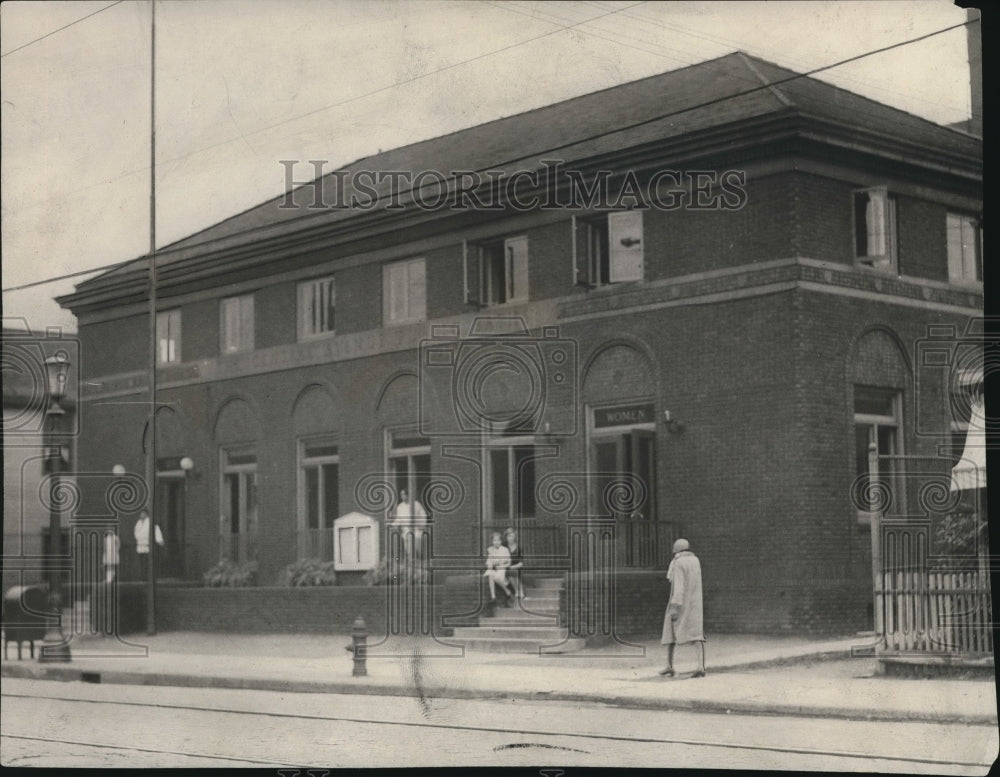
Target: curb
point(68, 674)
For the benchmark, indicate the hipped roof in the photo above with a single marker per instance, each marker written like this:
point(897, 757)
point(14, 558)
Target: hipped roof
point(732, 91)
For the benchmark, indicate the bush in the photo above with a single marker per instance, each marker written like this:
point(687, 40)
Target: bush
point(309, 572)
point(229, 574)
point(405, 572)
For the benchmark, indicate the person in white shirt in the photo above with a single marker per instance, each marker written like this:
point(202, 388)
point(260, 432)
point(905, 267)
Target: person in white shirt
point(409, 519)
point(497, 563)
point(112, 546)
point(141, 533)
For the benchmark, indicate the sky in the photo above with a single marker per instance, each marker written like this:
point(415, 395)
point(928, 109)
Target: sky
point(242, 84)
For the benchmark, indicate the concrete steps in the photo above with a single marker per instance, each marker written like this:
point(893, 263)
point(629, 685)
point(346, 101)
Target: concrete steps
point(529, 626)
point(501, 645)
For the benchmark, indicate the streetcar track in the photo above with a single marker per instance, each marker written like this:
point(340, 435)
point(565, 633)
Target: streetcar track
point(495, 729)
point(142, 749)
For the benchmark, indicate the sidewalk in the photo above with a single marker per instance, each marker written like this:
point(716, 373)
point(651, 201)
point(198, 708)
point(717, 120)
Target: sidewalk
point(746, 674)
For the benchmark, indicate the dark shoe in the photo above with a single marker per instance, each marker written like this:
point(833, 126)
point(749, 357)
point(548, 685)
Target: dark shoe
point(699, 673)
point(668, 672)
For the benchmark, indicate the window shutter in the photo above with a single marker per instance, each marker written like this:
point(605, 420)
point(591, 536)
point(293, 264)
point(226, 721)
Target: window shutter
point(161, 336)
point(417, 308)
point(516, 249)
point(246, 339)
point(230, 322)
point(473, 274)
point(395, 291)
point(875, 227)
point(174, 336)
point(625, 244)
point(955, 248)
point(585, 264)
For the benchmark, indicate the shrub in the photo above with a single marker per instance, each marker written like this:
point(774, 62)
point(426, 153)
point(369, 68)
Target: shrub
point(404, 571)
point(229, 574)
point(309, 572)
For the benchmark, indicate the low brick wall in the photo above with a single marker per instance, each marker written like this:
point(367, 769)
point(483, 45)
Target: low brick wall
point(277, 610)
point(640, 599)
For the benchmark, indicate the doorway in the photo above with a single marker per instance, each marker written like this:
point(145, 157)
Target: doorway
point(170, 518)
point(628, 454)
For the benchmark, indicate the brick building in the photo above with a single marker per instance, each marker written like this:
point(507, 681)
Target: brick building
point(26, 451)
point(727, 352)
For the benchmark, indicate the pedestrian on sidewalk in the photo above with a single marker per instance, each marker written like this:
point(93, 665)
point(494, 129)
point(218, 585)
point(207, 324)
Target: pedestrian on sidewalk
point(141, 533)
point(682, 623)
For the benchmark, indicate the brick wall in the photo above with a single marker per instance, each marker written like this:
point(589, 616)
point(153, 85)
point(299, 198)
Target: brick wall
point(359, 298)
point(274, 314)
point(822, 219)
point(686, 241)
point(129, 352)
point(324, 610)
point(921, 227)
point(200, 326)
point(445, 288)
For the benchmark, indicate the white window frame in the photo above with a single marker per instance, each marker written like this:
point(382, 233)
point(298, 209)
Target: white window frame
point(315, 323)
point(613, 249)
point(894, 422)
point(247, 474)
point(350, 532)
point(306, 461)
point(242, 339)
point(879, 220)
point(507, 444)
point(410, 292)
point(408, 454)
point(168, 336)
point(965, 248)
point(515, 265)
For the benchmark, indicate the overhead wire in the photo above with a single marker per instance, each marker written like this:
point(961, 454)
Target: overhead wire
point(64, 27)
point(538, 154)
point(795, 62)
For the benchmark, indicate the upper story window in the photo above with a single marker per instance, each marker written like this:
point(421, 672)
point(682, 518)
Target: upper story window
point(501, 268)
point(316, 307)
point(404, 292)
point(236, 330)
point(965, 248)
point(610, 249)
point(168, 337)
point(875, 228)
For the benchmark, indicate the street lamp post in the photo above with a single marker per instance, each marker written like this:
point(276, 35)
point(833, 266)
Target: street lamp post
point(55, 647)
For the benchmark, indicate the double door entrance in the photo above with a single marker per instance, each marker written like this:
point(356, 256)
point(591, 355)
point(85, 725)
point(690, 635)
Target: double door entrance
point(623, 462)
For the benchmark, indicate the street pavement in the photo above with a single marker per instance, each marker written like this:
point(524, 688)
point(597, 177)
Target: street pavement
point(746, 674)
point(52, 724)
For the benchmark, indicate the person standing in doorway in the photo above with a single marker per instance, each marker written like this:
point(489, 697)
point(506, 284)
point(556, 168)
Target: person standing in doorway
point(410, 519)
point(112, 546)
point(141, 533)
point(682, 623)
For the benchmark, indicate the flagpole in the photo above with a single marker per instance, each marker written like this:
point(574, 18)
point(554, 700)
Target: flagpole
point(151, 423)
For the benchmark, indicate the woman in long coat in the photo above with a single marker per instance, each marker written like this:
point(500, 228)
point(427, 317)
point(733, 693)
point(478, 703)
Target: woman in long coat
point(682, 622)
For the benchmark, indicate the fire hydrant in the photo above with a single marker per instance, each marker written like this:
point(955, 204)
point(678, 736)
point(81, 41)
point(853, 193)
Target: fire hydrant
point(359, 646)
